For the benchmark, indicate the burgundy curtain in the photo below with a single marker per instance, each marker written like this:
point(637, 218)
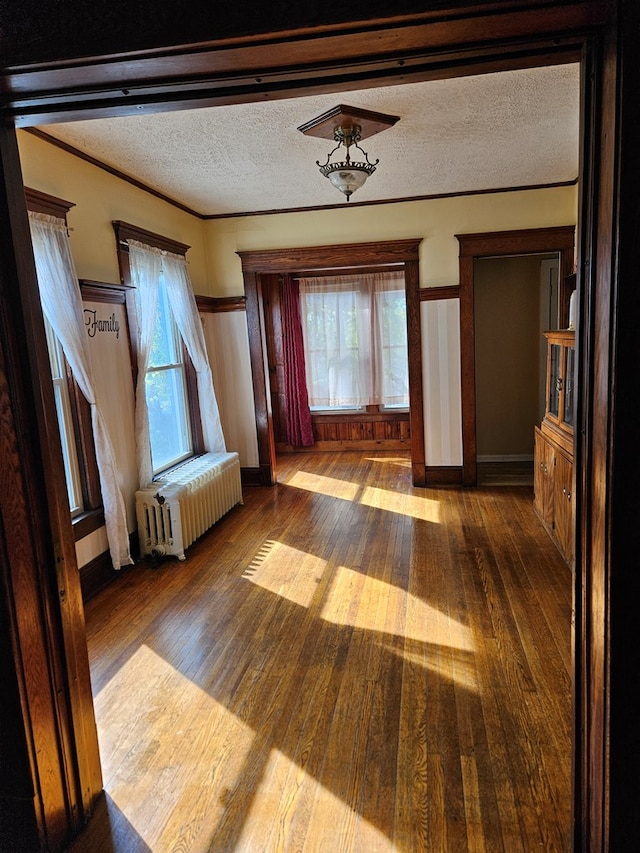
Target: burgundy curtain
point(298, 416)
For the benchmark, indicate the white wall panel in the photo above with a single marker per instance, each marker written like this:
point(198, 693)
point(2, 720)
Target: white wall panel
point(440, 320)
point(228, 346)
point(106, 328)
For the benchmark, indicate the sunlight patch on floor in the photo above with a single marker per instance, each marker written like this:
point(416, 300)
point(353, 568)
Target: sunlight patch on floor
point(423, 623)
point(288, 799)
point(160, 731)
point(415, 506)
point(453, 665)
point(398, 461)
point(424, 509)
point(287, 572)
point(329, 486)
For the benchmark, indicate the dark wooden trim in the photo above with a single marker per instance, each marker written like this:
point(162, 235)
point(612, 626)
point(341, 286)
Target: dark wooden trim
point(487, 244)
point(80, 410)
point(414, 354)
point(343, 258)
point(102, 291)
point(517, 242)
point(88, 522)
point(193, 401)
point(85, 445)
point(126, 231)
point(251, 476)
point(348, 256)
point(99, 572)
point(94, 161)
point(468, 38)
point(340, 446)
point(60, 775)
point(267, 473)
point(359, 271)
point(431, 294)
point(40, 202)
point(251, 67)
point(398, 200)
point(282, 26)
point(615, 532)
point(468, 372)
point(260, 377)
point(220, 304)
point(96, 575)
point(362, 417)
point(82, 155)
point(443, 475)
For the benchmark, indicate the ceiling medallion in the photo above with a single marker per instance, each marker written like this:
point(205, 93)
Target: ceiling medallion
point(347, 126)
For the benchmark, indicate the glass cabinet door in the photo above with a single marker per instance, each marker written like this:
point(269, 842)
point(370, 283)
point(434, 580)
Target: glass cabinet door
point(568, 387)
point(555, 352)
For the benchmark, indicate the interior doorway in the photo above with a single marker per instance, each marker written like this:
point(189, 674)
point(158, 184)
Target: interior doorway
point(539, 241)
point(260, 268)
point(515, 300)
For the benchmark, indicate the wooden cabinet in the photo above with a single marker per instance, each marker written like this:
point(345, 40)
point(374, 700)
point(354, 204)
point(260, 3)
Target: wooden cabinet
point(563, 505)
point(553, 451)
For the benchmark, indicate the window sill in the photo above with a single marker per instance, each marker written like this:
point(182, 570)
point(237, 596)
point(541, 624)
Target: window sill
point(361, 416)
point(87, 522)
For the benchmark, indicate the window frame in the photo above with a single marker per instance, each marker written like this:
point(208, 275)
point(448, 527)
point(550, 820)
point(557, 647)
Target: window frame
point(125, 231)
point(91, 517)
point(63, 395)
point(366, 408)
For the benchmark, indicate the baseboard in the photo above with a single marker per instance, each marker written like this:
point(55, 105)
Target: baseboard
point(514, 457)
point(99, 572)
point(443, 475)
point(251, 476)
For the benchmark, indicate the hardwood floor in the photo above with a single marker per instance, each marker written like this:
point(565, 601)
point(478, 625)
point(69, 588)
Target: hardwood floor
point(345, 663)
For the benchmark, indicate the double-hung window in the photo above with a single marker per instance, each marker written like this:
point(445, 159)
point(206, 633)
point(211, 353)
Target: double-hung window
point(65, 421)
point(166, 390)
point(72, 409)
point(355, 340)
point(176, 412)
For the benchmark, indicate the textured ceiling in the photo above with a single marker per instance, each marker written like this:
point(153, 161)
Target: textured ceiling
point(491, 131)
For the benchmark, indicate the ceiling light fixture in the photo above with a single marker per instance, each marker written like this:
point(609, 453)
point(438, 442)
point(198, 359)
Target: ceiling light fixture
point(347, 126)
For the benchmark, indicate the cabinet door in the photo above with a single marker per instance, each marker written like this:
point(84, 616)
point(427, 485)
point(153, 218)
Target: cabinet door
point(543, 478)
point(554, 380)
point(563, 506)
point(567, 401)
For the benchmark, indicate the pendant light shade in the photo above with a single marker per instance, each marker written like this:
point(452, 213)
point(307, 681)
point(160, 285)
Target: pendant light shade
point(346, 126)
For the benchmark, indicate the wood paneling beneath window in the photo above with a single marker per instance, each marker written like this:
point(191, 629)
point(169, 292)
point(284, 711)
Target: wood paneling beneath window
point(332, 431)
point(362, 431)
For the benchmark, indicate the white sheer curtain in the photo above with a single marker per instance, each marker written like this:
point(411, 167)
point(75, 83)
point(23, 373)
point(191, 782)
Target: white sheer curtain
point(147, 264)
point(355, 338)
point(62, 306)
point(185, 312)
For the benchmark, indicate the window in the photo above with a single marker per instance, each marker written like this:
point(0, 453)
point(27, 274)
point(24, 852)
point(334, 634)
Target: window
point(166, 391)
point(72, 409)
point(355, 335)
point(65, 421)
point(176, 411)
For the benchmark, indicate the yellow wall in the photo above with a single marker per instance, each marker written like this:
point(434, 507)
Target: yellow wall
point(99, 198)
point(436, 221)
point(214, 266)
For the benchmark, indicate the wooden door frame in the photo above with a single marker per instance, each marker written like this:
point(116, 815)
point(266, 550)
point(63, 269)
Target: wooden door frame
point(530, 241)
point(463, 38)
point(345, 258)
